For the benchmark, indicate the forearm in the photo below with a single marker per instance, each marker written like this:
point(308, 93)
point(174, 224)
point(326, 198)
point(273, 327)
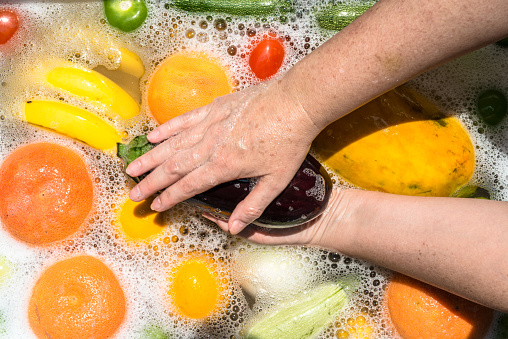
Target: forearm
point(391, 43)
point(456, 244)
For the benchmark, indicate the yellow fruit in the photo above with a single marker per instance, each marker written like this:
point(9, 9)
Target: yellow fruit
point(73, 122)
point(139, 221)
point(95, 87)
point(130, 63)
point(195, 288)
point(399, 143)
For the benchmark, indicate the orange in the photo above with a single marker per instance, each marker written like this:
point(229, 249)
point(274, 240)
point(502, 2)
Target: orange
point(195, 288)
point(418, 310)
point(78, 297)
point(139, 222)
point(47, 193)
point(183, 82)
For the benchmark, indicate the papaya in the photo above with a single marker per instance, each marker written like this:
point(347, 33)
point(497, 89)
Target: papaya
point(399, 143)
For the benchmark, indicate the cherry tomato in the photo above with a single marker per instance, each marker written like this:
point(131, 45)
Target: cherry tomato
point(266, 58)
point(8, 25)
point(126, 15)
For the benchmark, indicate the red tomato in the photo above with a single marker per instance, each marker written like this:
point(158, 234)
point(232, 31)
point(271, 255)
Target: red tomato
point(8, 25)
point(266, 58)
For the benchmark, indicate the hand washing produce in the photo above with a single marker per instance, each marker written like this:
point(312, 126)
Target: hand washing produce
point(305, 198)
point(307, 315)
point(338, 16)
point(73, 122)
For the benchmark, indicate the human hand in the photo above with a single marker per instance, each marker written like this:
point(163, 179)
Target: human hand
point(260, 132)
point(313, 233)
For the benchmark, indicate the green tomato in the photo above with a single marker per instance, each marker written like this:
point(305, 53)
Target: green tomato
point(126, 15)
point(492, 106)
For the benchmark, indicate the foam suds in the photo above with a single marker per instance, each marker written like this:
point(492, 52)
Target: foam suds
point(78, 32)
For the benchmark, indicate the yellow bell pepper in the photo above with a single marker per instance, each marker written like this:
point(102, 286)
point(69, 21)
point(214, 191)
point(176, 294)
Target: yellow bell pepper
point(94, 86)
point(73, 122)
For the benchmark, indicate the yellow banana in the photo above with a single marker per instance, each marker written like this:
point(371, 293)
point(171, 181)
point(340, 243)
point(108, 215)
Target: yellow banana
point(94, 86)
point(73, 122)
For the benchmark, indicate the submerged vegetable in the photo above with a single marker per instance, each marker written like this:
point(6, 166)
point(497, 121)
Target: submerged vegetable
point(266, 58)
point(8, 25)
point(471, 191)
point(399, 143)
point(305, 198)
point(236, 7)
point(338, 16)
point(73, 122)
point(126, 15)
point(492, 106)
point(307, 315)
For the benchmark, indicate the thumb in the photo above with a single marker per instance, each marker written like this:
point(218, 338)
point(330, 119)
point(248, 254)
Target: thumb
point(254, 204)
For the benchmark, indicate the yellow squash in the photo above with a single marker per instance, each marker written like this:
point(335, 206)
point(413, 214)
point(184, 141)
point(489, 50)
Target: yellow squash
point(399, 143)
point(73, 122)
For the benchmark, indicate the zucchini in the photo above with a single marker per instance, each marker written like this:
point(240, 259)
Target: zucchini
point(307, 315)
point(305, 198)
point(338, 16)
point(471, 191)
point(235, 7)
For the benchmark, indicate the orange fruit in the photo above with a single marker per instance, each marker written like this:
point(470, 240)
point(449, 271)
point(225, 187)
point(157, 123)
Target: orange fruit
point(139, 222)
point(78, 297)
point(195, 288)
point(418, 310)
point(183, 82)
point(47, 193)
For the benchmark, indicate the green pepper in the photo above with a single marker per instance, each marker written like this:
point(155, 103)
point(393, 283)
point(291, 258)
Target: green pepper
point(126, 15)
point(492, 106)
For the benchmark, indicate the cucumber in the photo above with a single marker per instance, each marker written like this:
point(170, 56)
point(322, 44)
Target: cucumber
point(338, 16)
point(308, 314)
point(235, 7)
point(305, 198)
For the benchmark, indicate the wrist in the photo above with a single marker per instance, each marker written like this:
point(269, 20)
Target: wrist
point(338, 227)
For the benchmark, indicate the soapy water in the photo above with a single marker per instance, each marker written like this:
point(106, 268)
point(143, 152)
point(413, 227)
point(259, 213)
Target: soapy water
point(77, 31)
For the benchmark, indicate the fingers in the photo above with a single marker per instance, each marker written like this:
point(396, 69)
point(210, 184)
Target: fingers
point(161, 153)
point(197, 181)
point(178, 124)
point(255, 203)
point(169, 172)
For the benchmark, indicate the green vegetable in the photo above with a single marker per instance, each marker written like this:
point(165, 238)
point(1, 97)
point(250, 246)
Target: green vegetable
point(338, 16)
point(136, 148)
point(471, 191)
point(126, 15)
point(235, 7)
point(503, 42)
point(492, 106)
point(502, 326)
point(306, 316)
point(155, 332)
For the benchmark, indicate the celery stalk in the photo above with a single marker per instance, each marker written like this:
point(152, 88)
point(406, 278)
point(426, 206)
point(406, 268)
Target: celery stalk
point(306, 316)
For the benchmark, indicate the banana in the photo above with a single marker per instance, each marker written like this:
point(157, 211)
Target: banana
point(73, 122)
point(94, 86)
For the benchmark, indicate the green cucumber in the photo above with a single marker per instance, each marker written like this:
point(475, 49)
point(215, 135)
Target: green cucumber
point(338, 16)
point(235, 7)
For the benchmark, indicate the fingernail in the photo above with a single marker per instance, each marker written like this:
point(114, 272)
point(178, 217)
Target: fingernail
point(135, 194)
point(236, 227)
point(153, 134)
point(156, 204)
point(132, 168)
